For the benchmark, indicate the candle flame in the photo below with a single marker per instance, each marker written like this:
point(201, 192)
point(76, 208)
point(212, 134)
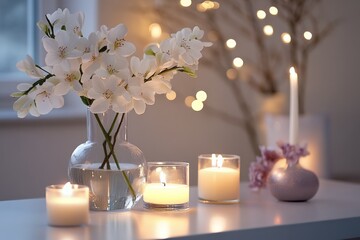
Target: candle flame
point(67, 189)
point(163, 178)
point(217, 161)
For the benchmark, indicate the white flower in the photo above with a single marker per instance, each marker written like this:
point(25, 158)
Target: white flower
point(187, 40)
point(75, 23)
point(69, 77)
point(61, 49)
point(141, 93)
point(91, 56)
point(160, 83)
point(198, 34)
point(63, 18)
point(28, 66)
point(24, 105)
point(144, 68)
point(117, 43)
point(108, 93)
point(113, 65)
point(45, 99)
point(98, 69)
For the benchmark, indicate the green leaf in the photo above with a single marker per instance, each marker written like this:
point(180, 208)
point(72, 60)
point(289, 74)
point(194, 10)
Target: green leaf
point(86, 101)
point(17, 94)
point(149, 52)
point(188, 71)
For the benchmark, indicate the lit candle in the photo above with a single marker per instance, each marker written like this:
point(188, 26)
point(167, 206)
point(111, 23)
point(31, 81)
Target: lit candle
point(294, 107)
point(218, 183)
point(167, 192)
point(67, 205)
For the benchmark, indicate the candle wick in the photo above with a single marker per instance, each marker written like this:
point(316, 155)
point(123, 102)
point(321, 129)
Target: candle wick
point(163, 183)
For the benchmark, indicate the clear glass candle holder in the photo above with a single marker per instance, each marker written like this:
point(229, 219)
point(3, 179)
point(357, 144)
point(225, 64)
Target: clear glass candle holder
point(167, 186)
point(219, 178)
point(67, 205)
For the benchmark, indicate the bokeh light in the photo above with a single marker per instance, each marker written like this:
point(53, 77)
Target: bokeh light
point(197, 105)
point(268, 30)
point(231, 74)
point(238, 62)
point(261, 14)
point(231, 43)
point(307, 35)
point(286, 38)
point(273, 10)
point(185, 3)
point(189, 100)
point(155, 30)
point(201, 95)
point(171, 95)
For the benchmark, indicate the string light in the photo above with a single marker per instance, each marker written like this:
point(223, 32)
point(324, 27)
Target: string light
point(273, 10)
point(238, 62)
point(171, 95)
point(307, 35)
point(197, 105)
point(201, 95)
point(231, 43)
point(155, 30)
point(286, 38)
point(185, 3)
point(268, 30)
point(261, 14)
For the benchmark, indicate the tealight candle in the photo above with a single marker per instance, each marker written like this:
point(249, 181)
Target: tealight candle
point(219, 178)
point(167, 186)
point(67, 205)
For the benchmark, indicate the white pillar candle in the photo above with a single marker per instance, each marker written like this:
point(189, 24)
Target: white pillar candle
point(167, 185)
point(219, 183)
point(67, 205)
point(294, 107)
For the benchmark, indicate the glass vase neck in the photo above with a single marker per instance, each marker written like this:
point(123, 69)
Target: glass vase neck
point(109, 121)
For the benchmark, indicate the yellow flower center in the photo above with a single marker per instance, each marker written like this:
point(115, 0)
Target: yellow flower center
point(118, 43)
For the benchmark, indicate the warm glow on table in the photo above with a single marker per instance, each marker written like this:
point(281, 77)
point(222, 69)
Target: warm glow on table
point(66, 207)
point(158, 193)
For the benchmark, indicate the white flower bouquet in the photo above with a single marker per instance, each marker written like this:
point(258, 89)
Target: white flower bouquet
point(100, 68)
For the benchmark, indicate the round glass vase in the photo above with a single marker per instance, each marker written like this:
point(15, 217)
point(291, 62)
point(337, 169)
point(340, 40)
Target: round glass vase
point(108, 164)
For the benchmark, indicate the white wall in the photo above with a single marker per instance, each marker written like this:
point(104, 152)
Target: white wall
point(35, 153)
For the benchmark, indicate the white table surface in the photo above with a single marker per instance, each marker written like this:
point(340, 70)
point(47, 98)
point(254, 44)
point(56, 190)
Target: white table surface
point(334, 213)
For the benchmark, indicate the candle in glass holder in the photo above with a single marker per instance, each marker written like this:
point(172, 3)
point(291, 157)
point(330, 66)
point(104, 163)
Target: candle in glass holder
point(67, 205)
point(167, 186)
point(219, 178)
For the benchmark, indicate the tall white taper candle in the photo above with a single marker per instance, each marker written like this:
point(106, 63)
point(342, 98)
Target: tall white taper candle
point(294, 107)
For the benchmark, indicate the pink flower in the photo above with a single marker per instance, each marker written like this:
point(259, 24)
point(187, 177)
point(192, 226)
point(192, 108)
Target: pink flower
point(257, 174)
point(260, 169)
point(292, 153)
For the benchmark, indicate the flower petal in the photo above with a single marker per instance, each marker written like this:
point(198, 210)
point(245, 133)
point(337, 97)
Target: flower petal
point(100, 105)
